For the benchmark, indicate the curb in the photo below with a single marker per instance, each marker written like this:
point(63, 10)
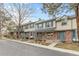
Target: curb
point(48, 47)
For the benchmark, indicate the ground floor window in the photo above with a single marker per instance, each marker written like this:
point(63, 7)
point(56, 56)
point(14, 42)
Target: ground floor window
point(62, 36)
point(73, 34)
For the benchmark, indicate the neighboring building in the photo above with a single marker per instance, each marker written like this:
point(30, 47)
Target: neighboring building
point(14, 31)
point(64, 29)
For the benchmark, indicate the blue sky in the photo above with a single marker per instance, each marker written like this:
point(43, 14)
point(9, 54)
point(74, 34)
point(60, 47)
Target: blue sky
point(38, 12)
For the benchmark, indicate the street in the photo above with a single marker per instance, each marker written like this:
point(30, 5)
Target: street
point(10, 48)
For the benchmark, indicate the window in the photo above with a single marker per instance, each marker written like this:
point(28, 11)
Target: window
point(51, 23)
point(73, 34)
point(48, 24)
point(64, 21)
point(31, 25)
point(54, 23)
point(26, 27)
point(40, 25)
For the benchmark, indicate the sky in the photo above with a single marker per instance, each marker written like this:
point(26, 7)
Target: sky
point(38, 13)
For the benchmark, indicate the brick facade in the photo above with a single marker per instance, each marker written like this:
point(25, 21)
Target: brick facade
point(68, 36)
point(48, 36)
point(54, 36)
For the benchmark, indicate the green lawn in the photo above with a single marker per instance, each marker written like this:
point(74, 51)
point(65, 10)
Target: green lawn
point(72, 46)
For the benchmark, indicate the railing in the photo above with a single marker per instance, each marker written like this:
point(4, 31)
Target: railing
point(37, 29)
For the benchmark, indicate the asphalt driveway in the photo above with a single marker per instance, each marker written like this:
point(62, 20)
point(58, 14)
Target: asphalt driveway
point(10, 48)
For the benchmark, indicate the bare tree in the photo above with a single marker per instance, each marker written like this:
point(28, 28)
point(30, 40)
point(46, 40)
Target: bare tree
point(55, 9)
point(20, 13)
point(3, 18)
point(51, 8)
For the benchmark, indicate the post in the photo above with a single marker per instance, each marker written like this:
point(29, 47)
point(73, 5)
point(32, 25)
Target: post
point(77, 20)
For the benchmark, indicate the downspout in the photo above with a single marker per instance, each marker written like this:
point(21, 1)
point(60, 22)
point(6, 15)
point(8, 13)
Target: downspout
point(71, 30)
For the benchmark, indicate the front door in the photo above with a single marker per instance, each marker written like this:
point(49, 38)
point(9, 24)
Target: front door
point(62, 36)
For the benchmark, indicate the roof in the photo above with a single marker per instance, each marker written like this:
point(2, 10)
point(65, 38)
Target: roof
point(50, 29)
point(42, 21)
point(39, 21)
point(68, 17)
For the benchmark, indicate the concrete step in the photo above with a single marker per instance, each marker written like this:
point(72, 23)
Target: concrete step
point(53, 43)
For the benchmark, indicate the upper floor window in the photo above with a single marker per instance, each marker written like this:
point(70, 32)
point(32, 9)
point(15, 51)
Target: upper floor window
point(31, 25)
point(64, 21)
point(40, 25)
point(48, 24)
point(52, 23)
point(26, 27)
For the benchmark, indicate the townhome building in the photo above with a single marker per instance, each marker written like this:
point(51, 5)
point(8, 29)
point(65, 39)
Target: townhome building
point(60, 29)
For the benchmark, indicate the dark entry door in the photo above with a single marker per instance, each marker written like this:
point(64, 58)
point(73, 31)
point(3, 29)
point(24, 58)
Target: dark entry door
point(62, 36)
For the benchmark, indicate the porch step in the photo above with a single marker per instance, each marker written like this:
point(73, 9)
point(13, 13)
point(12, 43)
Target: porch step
point(53, 44)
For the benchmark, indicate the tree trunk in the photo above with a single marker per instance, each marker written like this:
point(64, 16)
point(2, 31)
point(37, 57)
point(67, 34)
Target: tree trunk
point(77, 20)
point(0, 29)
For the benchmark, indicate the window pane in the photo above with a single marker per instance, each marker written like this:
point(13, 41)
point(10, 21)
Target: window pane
point(73, 34)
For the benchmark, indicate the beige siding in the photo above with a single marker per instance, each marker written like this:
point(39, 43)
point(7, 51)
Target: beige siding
point(74, 24)
point(71, 24)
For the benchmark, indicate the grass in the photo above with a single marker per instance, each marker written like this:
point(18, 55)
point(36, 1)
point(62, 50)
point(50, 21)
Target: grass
point(1, 38)
point(72, 46)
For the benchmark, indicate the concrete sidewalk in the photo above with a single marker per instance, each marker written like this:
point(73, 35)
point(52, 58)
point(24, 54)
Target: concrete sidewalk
point(48, 47)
